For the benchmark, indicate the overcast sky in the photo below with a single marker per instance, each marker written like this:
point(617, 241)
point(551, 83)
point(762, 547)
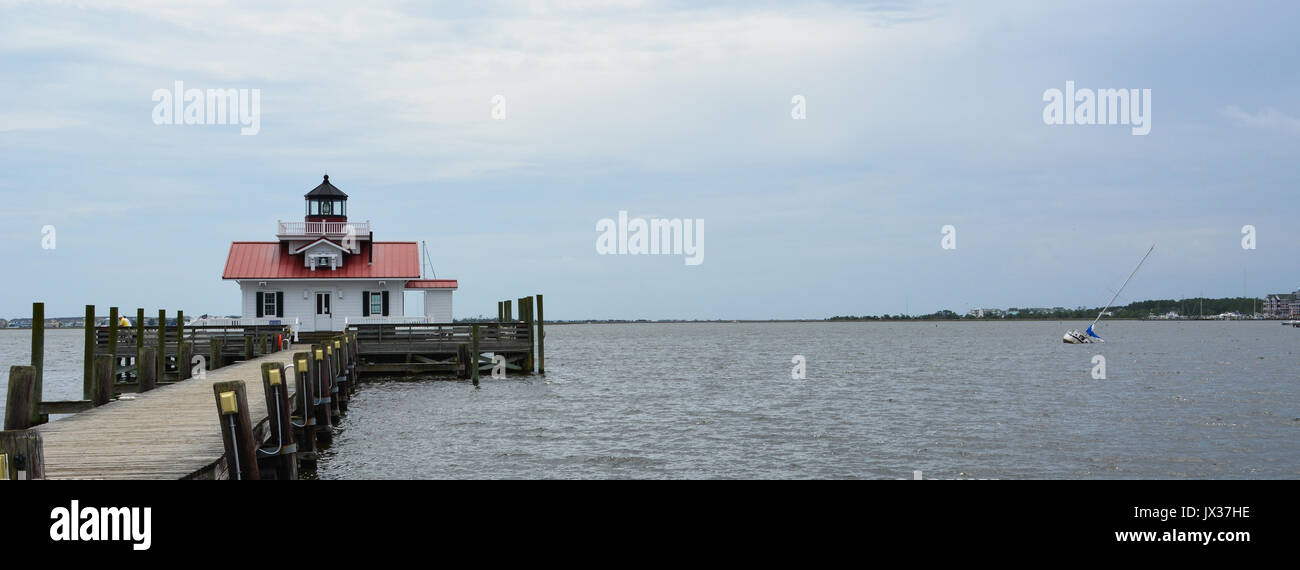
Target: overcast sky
point(918, 115)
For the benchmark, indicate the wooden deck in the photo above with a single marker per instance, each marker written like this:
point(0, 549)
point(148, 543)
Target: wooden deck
point(172, 432)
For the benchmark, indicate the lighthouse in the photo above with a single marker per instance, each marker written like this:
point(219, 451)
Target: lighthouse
point(326, 272)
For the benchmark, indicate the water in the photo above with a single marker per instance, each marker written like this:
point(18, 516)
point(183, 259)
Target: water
point(1002, 400)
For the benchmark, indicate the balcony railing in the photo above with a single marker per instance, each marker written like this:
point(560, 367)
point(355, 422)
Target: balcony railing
point(360, 229)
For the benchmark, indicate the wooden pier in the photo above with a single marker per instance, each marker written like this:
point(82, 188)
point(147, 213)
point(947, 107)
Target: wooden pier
point(148, 392)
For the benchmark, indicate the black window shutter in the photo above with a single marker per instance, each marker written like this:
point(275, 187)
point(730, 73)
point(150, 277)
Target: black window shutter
point(260, 299)
point(279, 303)
point(385, 303)
point(365, 303)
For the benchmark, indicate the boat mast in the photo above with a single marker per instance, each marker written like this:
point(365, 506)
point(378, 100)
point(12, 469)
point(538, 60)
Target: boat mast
point(1121, 287)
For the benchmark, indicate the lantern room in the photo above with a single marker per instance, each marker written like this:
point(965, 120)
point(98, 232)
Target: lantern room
point(325, 203)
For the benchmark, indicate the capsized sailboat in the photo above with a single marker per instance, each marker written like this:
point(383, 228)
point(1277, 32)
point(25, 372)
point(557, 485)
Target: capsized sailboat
point(1073, 336)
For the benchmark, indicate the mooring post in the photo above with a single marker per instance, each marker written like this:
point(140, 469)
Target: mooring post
point(532, 339)
point(146, 370)
point(88, 362)
point(162, 345)
point(180, 339)
point(103, 379)
point(509, 312)
point(284, 456)
point(332, 376)
point(306, 402)
point(139, 343)
point(38, 362)
point(236, 429)
point(215, 347)
point(18, 406)
point(340, 374)
point(112, 337)
point(248, 346)
point(21, 456)
point(541, 338)
point(473, 354)
point(184, 354)
point(319, 374)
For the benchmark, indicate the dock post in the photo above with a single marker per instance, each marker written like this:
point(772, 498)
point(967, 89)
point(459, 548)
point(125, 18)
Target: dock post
point(318, 366)
point(473, 354)
point(162, 345)
point(340, 374)
point(236, 429)
point(139, 343)
point(532, 340)
point(112, 337)
point(215, 347)
point(180, 339)
point(38, 362)
point(21, 457)
point(541, 338)
point(305, 397)
point(19, 405)
point(332, 376)
point(146, 370)
point(104, 366)
point(248, 347)
point(279, 413)
point(184, 354)
point(509, 312)
point(88, 363)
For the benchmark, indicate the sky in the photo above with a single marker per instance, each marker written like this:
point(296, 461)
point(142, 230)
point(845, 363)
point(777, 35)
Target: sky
point(916, 116)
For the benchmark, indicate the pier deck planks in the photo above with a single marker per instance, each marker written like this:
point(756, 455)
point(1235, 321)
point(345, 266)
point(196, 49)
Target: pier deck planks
point(166, 433)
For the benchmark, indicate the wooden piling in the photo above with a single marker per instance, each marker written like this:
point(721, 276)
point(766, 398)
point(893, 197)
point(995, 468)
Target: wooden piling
point(215, 347)
point(275, 387)
point(146, 370)
point(473, 354)
point(184, 356)
point(21, 455)
point(18, 406)
point(140, 362)
point(305, 396)
point(104, 365)
point(162, 345)
point(112, 335)
point(38, 363)
point(509, 312)
point(180, 338)
point(319, 373)
point(236, 429)
point(248, 347)
point(541, 338)
point(88, 358)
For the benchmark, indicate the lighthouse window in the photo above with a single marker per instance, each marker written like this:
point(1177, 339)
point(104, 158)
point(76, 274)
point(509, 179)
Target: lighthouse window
point(326, 208)
point(269, 306)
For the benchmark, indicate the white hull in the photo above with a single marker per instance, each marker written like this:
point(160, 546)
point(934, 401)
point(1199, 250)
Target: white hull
point(1075, 337)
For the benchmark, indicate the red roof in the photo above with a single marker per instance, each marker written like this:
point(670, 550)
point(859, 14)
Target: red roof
point(432, 284)
point(271, 260)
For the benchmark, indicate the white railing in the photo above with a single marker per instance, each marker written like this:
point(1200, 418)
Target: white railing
point(294, 324)
point(394, 320)
point(360, 229)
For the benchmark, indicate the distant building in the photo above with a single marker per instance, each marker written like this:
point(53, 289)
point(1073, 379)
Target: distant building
point(1283, 305)
point(977, 313)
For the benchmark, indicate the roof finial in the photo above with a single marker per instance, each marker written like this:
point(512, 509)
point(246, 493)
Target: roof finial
point(327, 176)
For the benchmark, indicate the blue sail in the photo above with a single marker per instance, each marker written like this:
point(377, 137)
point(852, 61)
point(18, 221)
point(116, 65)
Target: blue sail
point(1092, 334)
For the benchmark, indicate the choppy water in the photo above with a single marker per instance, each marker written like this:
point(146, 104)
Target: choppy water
point(881, 400)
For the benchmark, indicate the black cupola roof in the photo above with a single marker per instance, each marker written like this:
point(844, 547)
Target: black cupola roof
point(325, 190)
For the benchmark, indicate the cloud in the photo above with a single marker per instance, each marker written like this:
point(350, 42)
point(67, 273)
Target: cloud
point(1268, 119)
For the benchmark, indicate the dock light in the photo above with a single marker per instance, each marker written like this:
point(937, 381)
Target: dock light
point(274, 376)
point(4, 467)
point(302, 364)
point(329, 350)
point(229, 405)
point(320, 355)
point(337, 345)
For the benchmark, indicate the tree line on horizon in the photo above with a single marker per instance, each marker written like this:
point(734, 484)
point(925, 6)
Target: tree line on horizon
point(1193, 306)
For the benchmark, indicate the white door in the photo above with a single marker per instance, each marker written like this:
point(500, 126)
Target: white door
point(324, 316)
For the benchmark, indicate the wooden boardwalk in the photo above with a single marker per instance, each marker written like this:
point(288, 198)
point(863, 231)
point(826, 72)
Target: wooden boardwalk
point(172, 432)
